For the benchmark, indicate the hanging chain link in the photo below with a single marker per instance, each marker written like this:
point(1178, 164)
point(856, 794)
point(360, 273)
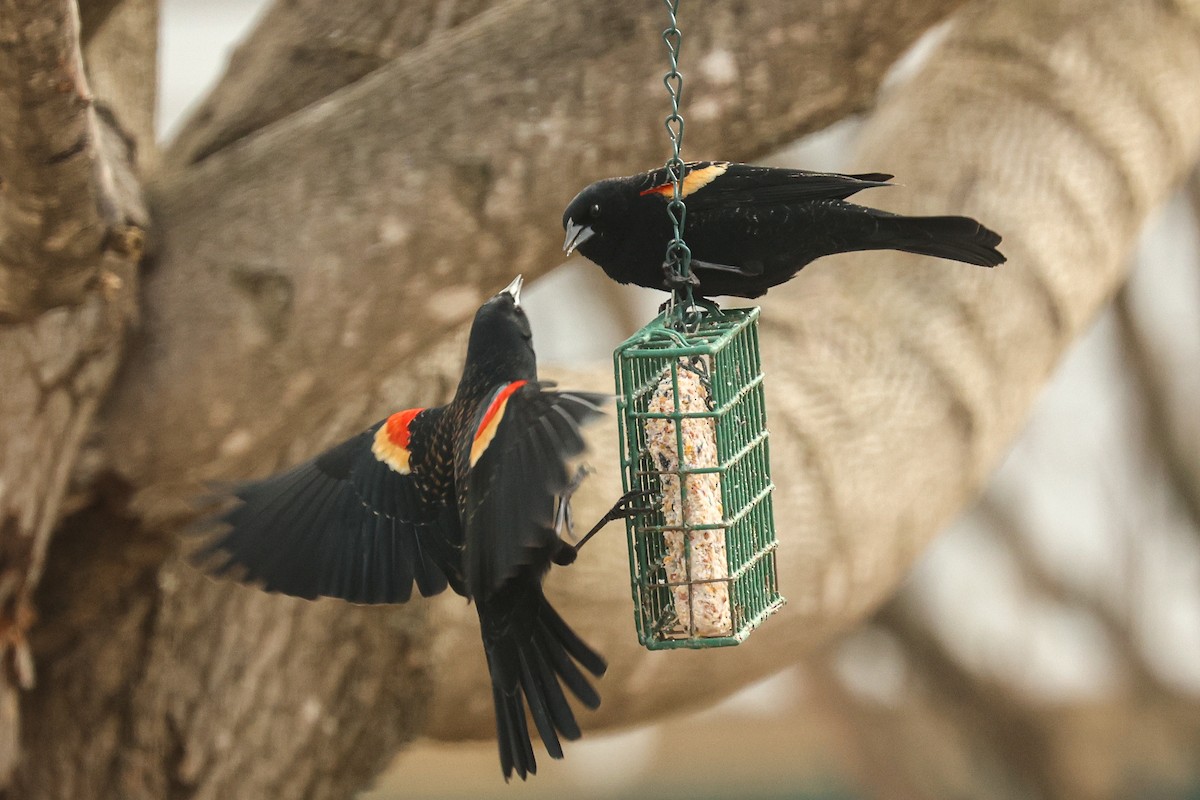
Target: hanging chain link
point(678, 257)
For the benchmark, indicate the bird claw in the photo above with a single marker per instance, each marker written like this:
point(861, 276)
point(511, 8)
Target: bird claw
point(673, 281)
point(564, 519)
point(622, 509)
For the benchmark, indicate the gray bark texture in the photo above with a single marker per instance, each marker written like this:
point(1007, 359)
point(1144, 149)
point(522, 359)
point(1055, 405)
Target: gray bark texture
point(71, 232)
point(427, 153)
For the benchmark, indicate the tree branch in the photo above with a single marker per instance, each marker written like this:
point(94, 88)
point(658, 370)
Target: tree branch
point(122, 69)
point(66, 199)
point(1165, 427)
point(399, 203)
point(56, 367)
point(1004, 734)
point(179, 714)
point(325, 46)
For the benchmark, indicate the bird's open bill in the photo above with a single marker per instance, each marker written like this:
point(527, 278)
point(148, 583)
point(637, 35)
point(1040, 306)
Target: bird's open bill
point(576, 235)
point(514, 289)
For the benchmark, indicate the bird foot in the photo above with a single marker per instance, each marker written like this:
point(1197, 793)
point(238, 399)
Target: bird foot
point(564, 519)
point(624, 507)
point(673, 281)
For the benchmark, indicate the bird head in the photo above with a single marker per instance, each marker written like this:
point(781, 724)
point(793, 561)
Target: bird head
point(620, 224)
point(591, 219)
point(501, 340)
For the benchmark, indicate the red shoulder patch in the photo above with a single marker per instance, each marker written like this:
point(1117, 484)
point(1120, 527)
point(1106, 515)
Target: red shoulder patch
point(693, 181)
point(397, 426)
point(491, 420)
point(391, 440)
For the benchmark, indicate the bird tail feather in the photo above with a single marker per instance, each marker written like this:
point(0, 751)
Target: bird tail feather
point(532, 653)
point(955, 238)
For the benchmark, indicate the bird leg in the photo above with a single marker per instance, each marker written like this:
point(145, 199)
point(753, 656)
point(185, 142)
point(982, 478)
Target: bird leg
point(624, 507)
point(563, 518)
point(673, 281)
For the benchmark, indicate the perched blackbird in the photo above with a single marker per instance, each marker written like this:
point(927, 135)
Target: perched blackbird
point(750, 228)
point(465, 495)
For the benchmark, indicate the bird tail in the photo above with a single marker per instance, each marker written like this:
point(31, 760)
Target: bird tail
point(956, 238)
point(531, 654)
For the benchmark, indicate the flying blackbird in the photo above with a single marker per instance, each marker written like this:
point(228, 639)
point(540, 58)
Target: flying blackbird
point(750, 228)
point(462, 495)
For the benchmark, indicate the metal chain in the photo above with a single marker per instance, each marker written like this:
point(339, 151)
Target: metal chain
point(679, 257)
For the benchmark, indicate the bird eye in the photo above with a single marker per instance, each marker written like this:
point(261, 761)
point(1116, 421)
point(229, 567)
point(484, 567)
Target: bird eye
point(595, 210)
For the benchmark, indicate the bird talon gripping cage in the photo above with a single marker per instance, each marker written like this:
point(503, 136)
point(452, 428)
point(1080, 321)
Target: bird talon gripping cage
point(692, 426)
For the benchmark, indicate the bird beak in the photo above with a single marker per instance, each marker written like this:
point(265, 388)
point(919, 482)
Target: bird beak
point(514, 289)
point(576, 235)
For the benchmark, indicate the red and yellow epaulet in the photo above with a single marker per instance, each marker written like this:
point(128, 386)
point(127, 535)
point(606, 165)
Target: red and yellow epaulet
point(491, 419)
point(391, 440)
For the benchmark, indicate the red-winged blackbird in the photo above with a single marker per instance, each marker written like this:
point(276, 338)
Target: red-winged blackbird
point(462, 495)
point(750, 228)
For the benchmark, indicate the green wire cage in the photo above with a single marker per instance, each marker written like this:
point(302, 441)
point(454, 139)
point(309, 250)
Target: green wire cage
point(702, 558)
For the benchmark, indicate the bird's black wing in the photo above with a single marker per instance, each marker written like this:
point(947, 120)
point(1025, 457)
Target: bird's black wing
point(523, 439)
point(517, 464)
point(348, 523)
point(745, 185)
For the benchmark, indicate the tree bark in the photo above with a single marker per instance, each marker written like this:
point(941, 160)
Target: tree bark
point(325, 46)
point(71, 227)
point(280, 316)
point(68, 196)
point(167, 684)
point(397, 204)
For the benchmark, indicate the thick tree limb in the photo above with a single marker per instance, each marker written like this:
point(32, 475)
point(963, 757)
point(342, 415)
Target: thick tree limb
point(325, 46)
point(328, 46)
point(397, 203)
point(66, 195)
point(56, 367)
point(122, 69)
point(205, 710)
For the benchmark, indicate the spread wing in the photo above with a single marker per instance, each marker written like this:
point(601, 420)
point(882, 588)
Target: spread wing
point(524, 438)
point(362, 521)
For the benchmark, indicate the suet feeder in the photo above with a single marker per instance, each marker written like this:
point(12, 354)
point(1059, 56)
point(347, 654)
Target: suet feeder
point(692, 422)
point(693, 434)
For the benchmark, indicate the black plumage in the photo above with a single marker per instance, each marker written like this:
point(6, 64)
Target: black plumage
point(750, 228)
point(463, 495)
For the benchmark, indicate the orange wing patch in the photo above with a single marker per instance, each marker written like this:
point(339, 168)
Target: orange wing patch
point(491, 420)
point(391, 440)
point(693, 181)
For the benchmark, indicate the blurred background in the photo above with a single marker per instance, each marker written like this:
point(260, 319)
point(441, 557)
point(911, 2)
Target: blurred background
point(1048, 639)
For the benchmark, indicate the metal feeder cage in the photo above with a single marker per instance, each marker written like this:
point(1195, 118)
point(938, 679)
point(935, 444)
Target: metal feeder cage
point(702, 560)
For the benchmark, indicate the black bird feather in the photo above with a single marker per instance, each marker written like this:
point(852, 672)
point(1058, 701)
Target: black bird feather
point(463, 495)
point(750, 228)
